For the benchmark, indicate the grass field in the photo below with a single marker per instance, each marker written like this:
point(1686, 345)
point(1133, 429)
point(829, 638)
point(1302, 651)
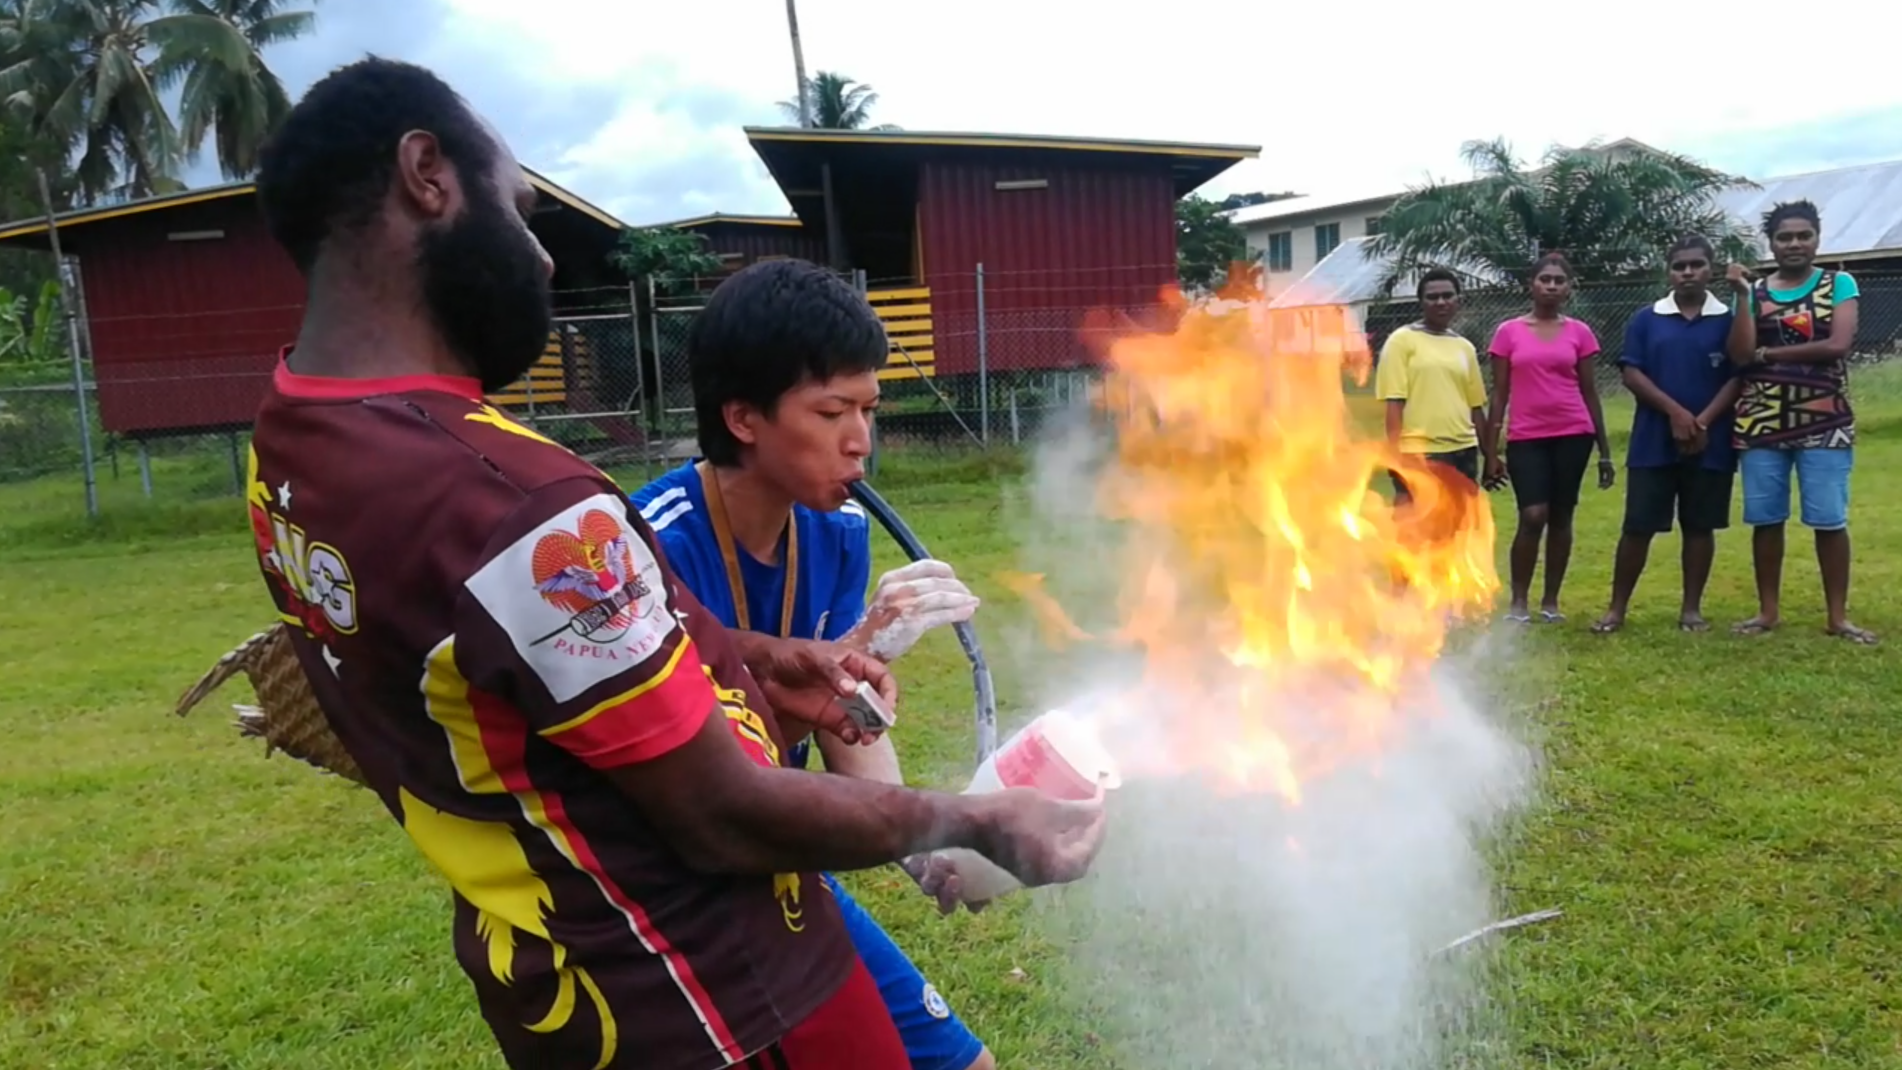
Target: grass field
point(1720, 816)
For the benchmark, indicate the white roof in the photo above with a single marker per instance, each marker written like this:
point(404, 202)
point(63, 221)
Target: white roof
point(1861, 209)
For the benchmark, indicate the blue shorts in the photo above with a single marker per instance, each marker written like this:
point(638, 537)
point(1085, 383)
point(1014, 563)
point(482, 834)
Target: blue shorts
point(934, 1037)
point(1822, 481)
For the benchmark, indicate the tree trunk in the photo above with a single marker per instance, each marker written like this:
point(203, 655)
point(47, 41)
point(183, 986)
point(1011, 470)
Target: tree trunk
point(799, 64)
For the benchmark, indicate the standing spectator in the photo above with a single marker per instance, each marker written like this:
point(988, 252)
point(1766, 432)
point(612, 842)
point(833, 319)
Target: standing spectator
point(1680, 457)
point(1542, 375)
point(1794, 343)
point(1430, 380)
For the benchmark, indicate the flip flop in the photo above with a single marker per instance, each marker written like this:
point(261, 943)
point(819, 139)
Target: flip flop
point(1603, 626)
point(1518, 618)
point(1859, 636)
point(1552, 616)
point(1752, 626)
point(1693, 625)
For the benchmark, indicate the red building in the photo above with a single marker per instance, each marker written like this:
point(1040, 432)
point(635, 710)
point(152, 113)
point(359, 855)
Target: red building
point(1062, 226)
point(187, 300)
point(739, 240)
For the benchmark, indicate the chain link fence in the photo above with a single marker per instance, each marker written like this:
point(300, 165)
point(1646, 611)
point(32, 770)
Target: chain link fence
point(981, 362)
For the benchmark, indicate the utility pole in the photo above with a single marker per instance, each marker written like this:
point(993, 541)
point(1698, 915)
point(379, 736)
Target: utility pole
point(799, 65)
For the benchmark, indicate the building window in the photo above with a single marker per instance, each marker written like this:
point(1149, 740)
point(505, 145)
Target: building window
point(1281, 251)
point(1373, 225)
point(1326, 237)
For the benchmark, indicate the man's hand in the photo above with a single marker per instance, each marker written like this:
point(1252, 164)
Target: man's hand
point(1040, 840)
point(803, 678)
point(1683, 426)
point(1739, 278)
point(907, 603)
point(1494, 476)
point(937, 877)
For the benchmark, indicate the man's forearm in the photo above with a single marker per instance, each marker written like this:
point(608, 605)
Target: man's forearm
point(795, 820)
point(1823, 352)
point(1650, 394)
point(876, 762)
point(1722, 403)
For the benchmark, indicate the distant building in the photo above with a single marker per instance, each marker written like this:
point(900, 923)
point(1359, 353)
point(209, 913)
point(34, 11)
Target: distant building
point(187, 301)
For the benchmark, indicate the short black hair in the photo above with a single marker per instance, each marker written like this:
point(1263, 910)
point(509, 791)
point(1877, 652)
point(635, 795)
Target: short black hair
point(328, 167)
point(1438, 274)
point(1553, 258)
point(1788, 210)
point(765, 330)
point(1689, 242)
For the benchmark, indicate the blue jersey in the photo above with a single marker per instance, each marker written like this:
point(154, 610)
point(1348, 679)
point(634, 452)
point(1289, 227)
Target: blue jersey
point(830, 554)
point(830, 559)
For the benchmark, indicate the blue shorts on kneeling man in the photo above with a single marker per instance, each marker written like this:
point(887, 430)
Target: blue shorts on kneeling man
point(934, 1037)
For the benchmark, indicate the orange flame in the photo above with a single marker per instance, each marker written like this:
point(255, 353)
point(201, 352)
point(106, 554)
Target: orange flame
point(1260, 562)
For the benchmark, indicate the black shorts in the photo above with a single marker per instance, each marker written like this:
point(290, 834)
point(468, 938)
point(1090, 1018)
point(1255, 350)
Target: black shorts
point(1465, 462)
point(1699, 496)
point(1548, 472)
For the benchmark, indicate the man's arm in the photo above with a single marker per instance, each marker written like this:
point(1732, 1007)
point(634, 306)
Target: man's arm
point(1741, 344)
point(617, 680)
point(726, 814)
point(1390, 384)
point(1840, 343)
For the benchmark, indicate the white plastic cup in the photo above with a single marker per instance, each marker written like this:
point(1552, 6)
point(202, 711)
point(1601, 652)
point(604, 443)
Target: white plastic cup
point(1058, 754)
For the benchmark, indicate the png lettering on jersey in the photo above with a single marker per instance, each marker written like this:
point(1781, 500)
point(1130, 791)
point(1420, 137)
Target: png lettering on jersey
point(315, 580)
point(580, 597)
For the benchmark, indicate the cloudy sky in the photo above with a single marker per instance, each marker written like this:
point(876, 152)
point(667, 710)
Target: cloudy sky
point(637, 105)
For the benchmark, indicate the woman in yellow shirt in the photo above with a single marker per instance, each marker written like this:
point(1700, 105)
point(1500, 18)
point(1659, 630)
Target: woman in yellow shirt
point(1430, 380)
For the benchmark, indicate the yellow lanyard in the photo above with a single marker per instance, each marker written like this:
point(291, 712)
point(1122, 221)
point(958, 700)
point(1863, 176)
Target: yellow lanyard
point(723, 534)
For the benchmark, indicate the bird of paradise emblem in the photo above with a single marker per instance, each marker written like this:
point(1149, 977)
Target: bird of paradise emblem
point(589, 572)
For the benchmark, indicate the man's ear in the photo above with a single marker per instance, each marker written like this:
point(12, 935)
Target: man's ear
point(742, 422)
point(425, 178)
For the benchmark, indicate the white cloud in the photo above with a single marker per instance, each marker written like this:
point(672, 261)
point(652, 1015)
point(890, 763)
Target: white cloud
point(1338, 97)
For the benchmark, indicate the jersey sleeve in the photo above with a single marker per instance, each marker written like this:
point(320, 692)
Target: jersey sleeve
point(855, 577)
point(1845, 288)
point(1501, 346)
point(1636, 353)
point(1475, 379)
point(1585, 339)
point(1390, 379)
point(571, 619)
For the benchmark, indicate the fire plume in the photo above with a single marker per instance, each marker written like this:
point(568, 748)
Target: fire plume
point(1280, 602)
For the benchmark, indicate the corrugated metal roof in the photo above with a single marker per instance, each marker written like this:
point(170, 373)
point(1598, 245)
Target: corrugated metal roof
point(1348, 275)
point(1294, 206)
point(1861, 209)
point(1343, 277)
point(1861, 206)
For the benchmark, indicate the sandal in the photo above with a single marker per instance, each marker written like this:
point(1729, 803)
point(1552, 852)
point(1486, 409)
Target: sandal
point(1859, 636)
point(1753, 626)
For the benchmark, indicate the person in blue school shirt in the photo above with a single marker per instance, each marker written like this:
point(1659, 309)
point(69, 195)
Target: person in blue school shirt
point(784, 362)
point(1680, 458)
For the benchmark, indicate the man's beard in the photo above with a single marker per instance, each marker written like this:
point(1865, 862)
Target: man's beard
point(485, 287)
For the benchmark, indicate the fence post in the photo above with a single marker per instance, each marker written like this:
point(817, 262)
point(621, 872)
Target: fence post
point(68, 281)
point(983, 365)
point(863, 286)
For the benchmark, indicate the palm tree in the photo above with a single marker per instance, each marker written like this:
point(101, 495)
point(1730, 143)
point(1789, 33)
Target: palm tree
point(837, 103)
point(238, 104)
point(91, 75)
point(1613, 214)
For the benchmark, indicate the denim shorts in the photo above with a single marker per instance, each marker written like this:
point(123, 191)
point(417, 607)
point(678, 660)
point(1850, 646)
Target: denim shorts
point(1822, 482)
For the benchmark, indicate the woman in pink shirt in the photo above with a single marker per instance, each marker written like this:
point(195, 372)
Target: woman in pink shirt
point(1543, 384)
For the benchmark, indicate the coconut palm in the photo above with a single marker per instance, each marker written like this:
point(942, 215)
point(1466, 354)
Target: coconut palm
point(92, 75)
point(1612, 213)
point(837, 103)
point(238, 106)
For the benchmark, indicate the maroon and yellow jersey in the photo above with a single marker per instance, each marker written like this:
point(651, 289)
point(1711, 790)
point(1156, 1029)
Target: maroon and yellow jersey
point(486, 627)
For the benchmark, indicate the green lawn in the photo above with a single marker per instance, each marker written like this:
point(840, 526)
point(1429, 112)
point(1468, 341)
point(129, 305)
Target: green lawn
point(1719, 817)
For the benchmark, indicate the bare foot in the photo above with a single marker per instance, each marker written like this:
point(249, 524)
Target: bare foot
point(1609, 623)
point(1692, 621)
point(1846, 630)
point(1757, 625)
